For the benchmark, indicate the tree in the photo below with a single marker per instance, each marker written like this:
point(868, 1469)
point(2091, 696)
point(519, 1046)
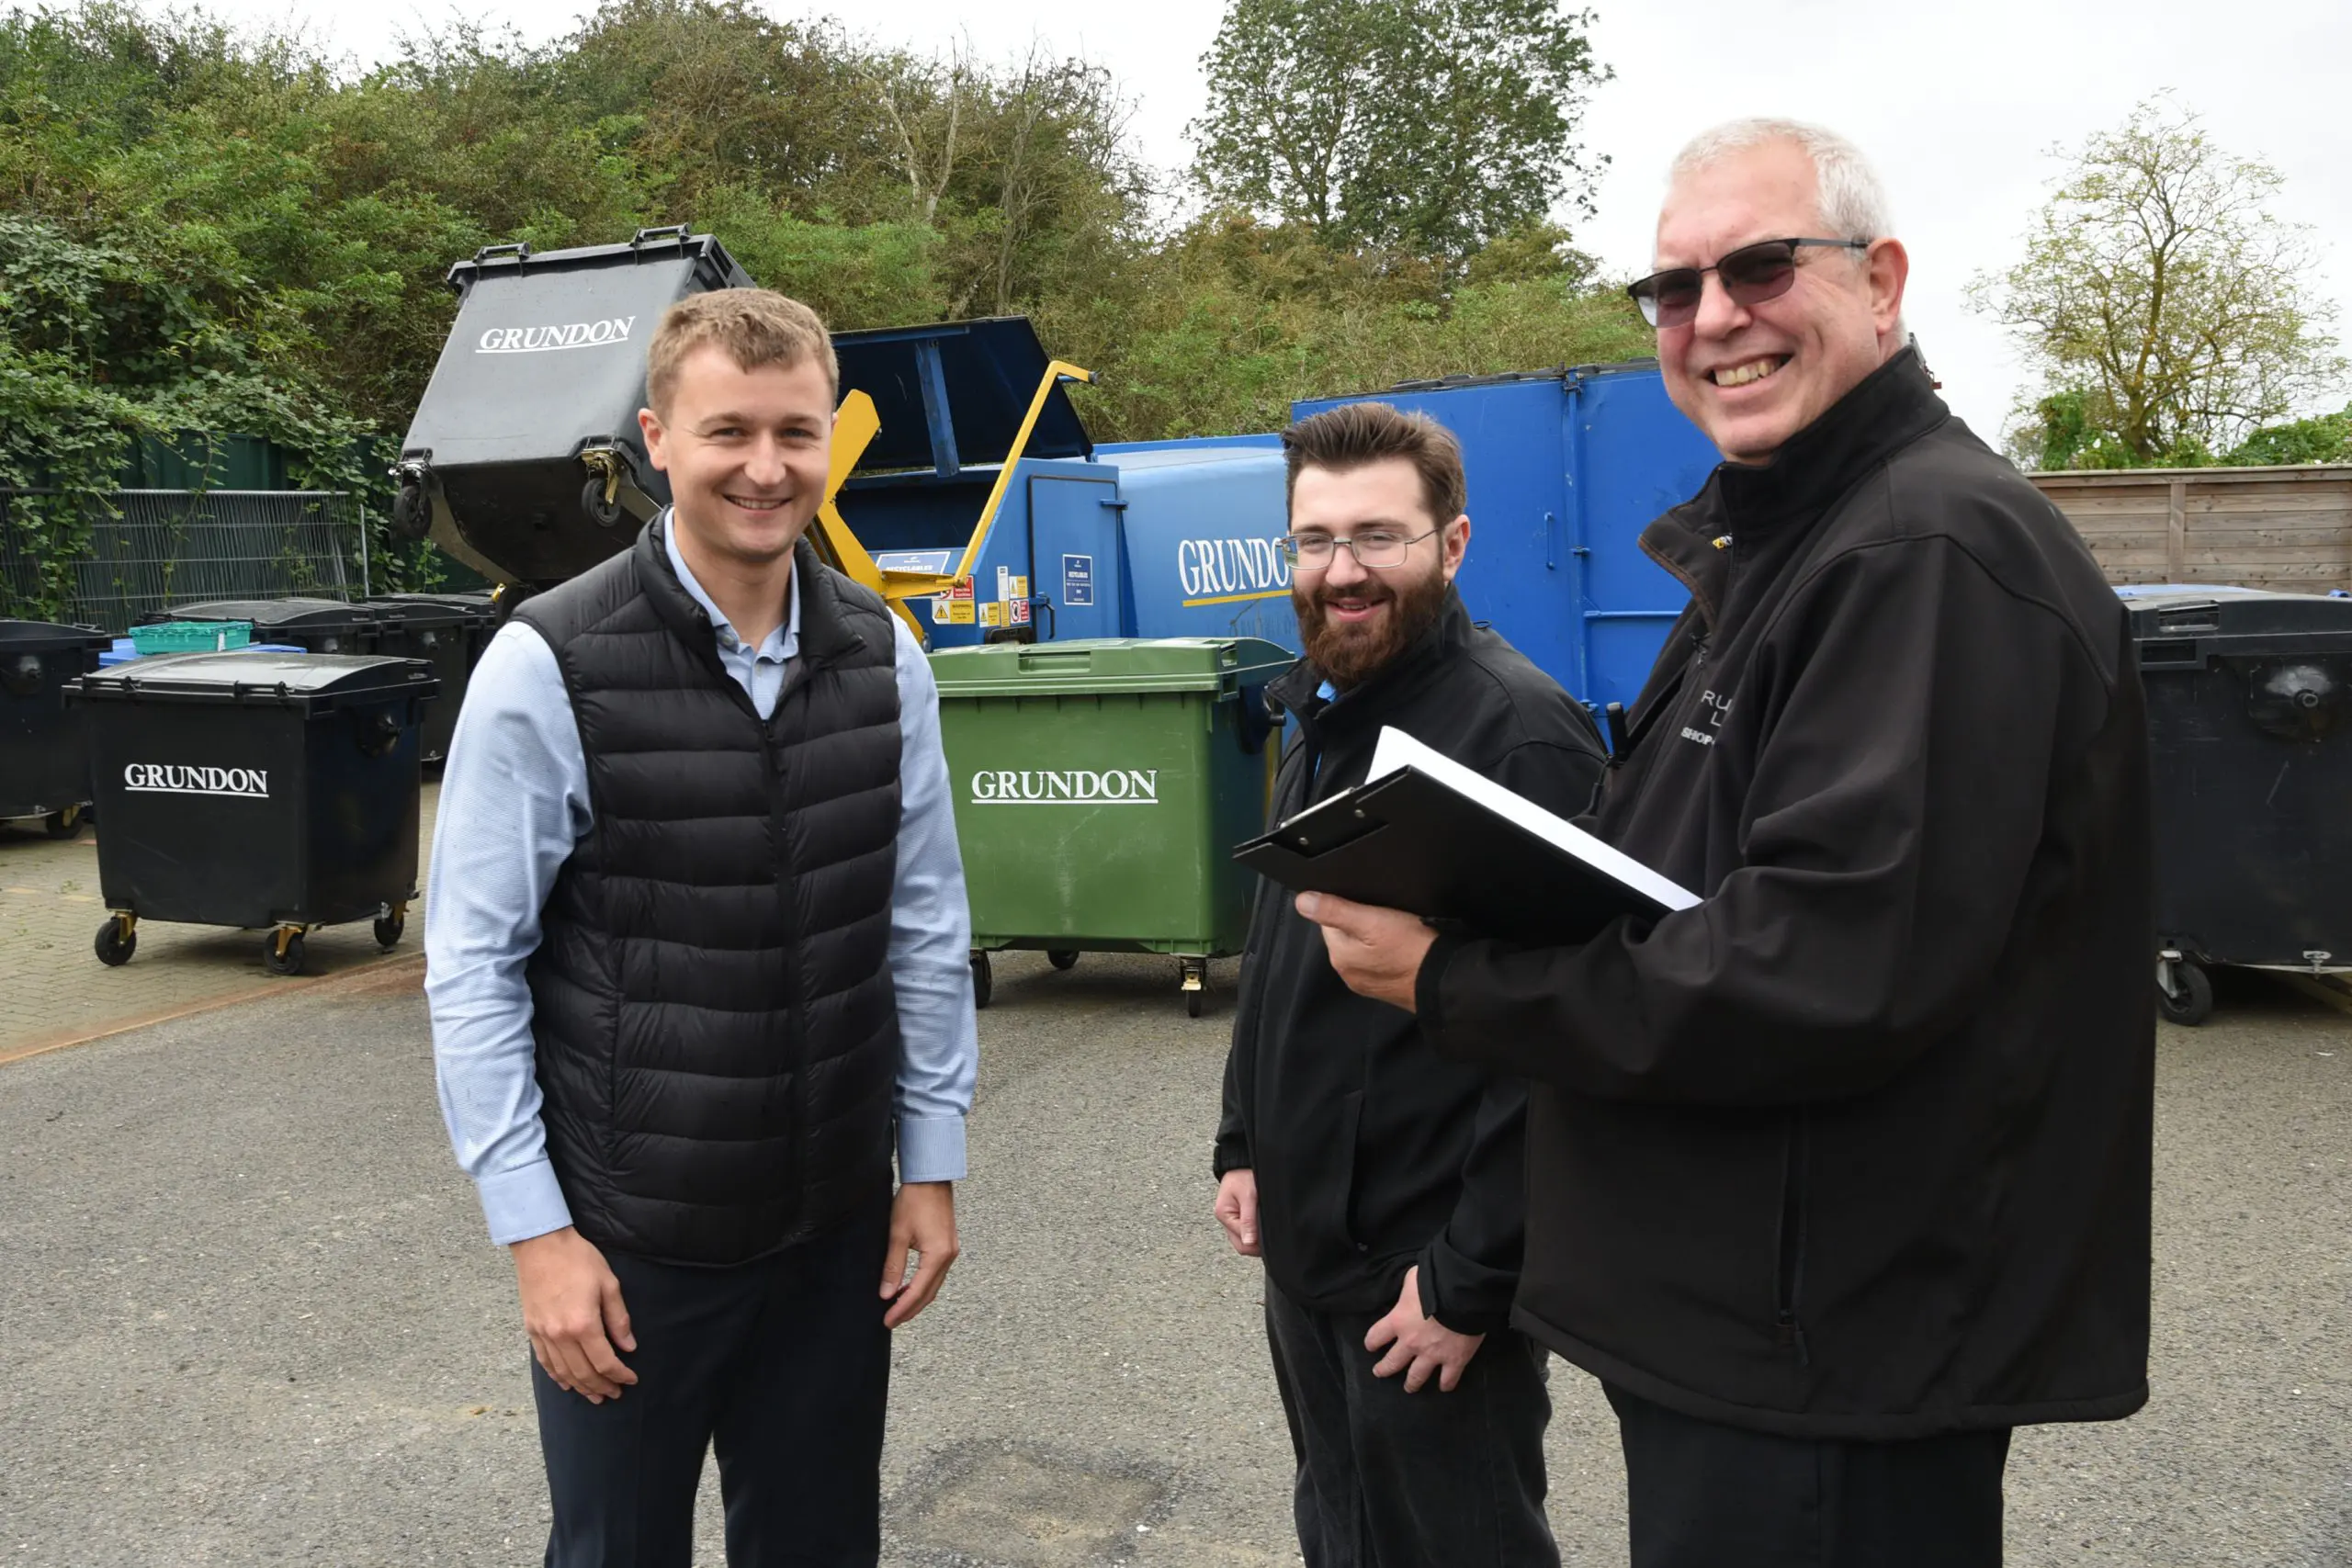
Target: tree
point(2164, 304)
point(1425, 126)
point(2327, 438)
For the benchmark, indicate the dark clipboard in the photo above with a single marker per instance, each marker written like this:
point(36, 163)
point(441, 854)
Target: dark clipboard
point(1406, 842)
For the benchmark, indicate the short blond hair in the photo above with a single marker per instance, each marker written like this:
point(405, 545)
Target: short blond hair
point(757, 327)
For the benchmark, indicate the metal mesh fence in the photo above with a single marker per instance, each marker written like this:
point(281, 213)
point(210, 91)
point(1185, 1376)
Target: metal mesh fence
point(171, 547)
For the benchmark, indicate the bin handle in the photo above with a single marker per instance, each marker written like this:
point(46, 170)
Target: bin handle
point(520, 250)
point(673, 231)
point(1069, 659)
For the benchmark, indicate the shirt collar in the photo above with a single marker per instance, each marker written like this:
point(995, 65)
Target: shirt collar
point(782, 645)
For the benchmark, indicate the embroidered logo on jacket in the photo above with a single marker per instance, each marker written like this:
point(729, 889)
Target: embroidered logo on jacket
point(1716, 705)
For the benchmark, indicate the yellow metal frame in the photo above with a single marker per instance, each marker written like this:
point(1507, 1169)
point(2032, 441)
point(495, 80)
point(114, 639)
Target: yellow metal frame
point(856, 423)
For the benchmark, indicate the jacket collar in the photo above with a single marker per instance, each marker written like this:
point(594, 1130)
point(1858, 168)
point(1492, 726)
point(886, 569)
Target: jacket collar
point(1296, 689)
point(1889, 408)
point(824, 636)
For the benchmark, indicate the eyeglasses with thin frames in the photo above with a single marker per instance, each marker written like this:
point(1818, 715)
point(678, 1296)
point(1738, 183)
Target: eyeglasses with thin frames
point(1375, 549)
point(1750, 275)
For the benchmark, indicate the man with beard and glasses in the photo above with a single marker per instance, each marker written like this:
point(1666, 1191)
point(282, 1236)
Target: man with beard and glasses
point(1379, 1182)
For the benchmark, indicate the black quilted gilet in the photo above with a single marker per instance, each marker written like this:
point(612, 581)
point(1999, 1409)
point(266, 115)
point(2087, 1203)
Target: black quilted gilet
point(717, 1031)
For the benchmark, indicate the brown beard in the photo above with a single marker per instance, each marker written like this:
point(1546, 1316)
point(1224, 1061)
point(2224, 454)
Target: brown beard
point(1348, 655)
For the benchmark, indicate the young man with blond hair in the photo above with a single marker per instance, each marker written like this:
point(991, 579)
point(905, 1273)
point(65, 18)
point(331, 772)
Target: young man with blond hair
point(697, 972)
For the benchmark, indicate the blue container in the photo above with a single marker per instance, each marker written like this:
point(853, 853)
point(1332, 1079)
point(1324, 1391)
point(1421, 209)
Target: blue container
point(1566, 469)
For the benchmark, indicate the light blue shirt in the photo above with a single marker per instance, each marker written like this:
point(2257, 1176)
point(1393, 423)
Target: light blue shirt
point(514, 805)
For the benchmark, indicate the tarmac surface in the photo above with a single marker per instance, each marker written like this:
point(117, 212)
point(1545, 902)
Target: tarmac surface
point(59, 994)
point(252, 1316)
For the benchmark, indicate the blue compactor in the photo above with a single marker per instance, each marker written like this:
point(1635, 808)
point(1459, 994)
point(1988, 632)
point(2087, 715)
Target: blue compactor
point(987, 522)
point(974, 498)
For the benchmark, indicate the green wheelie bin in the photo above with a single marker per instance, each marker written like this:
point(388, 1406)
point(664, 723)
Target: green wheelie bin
point(1099, 788)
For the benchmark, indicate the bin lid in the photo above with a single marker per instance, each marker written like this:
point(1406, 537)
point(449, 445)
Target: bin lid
point(1085, 665)
point(2239, 620)
point(707, 257)
point(316, 615)
point(49, 637)
point(310, 682)
point(429, 610)
point(987, 370)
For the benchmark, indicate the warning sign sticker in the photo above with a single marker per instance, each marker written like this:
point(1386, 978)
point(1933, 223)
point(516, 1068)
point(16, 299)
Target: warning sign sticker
point(1020, 588)
point(1020, 608)
point(991, 613)
point(959, 613)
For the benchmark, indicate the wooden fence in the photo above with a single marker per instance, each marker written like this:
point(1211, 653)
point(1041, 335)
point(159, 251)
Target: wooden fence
point(2286, 528)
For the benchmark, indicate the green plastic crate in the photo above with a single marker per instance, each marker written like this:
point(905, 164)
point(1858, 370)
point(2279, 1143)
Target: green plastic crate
point(191, 637)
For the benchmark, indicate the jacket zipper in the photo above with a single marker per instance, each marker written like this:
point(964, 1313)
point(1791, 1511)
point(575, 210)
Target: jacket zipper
point(1789, 1277)
point(780, 858)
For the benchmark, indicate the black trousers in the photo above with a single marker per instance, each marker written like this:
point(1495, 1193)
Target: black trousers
point(1388, 1479)
point(782, 1365)
point(1704, 1496)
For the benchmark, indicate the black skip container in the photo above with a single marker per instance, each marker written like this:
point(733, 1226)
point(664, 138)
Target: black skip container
point(44, 752)
point(447, 631)
point(524, 456)
point(2250, 732)
point(322, 626)
point(257, 790)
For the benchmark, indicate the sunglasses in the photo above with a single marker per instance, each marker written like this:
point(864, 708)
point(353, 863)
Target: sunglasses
point(1750, 275)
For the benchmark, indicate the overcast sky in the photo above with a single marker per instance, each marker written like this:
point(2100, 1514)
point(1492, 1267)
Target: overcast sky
point(1958, 103)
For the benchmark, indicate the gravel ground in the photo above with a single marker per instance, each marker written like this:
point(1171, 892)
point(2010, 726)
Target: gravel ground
point(255, 1319)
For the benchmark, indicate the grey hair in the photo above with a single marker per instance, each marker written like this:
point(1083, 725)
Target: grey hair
point(1853, 201)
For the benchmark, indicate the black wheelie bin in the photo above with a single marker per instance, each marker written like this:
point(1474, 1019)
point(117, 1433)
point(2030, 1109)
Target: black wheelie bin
point(2250, 736)
point(447, 631)
point(257, 790)
point(44, 754)
point(524, 456)
point(321, 626)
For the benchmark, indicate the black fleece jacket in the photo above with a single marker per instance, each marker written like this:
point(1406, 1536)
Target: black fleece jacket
point(1858, 1147)
point(1373, 1153)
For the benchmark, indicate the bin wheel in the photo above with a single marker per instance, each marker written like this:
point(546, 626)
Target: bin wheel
point(2185, 995)
point(65, 824)
point(388, 930)
point(602, 512)
point(412, 512)
point(1196, 985)
point(1062, 957)
point(115, 944)
point(983, 982)
point(281, 951)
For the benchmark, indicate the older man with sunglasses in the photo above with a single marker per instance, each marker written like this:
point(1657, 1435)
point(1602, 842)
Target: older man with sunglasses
point(1841, 1175)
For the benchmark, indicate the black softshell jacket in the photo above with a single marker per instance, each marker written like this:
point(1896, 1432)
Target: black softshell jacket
point(1374, 1153)
point(1858, 1147)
